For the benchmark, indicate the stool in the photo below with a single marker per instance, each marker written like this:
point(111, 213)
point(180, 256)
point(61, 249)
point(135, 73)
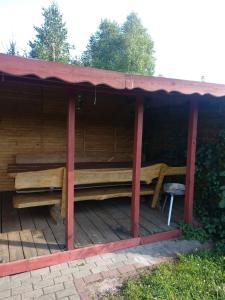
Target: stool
point(171, 190)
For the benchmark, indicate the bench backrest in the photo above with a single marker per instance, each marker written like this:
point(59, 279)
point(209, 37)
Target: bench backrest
point(54, 177)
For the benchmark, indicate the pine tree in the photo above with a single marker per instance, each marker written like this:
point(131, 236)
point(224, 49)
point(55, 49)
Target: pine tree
point(51, 37)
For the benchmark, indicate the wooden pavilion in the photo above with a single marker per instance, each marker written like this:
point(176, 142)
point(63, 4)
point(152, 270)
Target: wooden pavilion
point(100, 108)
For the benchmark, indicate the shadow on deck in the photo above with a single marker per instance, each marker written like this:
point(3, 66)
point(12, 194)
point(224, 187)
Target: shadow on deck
point(30, 232)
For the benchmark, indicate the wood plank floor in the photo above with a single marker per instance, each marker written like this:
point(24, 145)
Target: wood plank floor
point(30, 232)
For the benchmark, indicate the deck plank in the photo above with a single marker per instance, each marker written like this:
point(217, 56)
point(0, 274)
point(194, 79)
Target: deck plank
point(123, 217)
point(91, 230)
point(11, 225)
point(80, 237)
point(105, 230)
point(58, 231)
point(29, 249)
point(146, 224)
point(39, 217)
point(15, 246)
point(156, 218)
point(111, 222)
point(40, 242)
point(4, 248)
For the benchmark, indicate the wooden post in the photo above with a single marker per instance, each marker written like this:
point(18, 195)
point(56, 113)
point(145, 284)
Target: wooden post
point(70, 174)
point(191, 153)
point(137, 149)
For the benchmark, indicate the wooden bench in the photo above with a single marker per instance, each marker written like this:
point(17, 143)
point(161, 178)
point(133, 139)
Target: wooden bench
point(90, 184)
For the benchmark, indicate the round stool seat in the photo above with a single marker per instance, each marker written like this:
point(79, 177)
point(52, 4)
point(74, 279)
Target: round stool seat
point(174, 188)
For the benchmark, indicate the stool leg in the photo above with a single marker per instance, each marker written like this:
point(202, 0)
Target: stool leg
point(170, 209)
point(164, 203)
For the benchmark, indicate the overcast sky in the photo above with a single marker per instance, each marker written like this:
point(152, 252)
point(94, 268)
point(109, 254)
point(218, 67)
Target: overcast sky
point(189, 35)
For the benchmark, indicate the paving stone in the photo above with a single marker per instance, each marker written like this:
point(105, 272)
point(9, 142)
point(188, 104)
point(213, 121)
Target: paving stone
point(103, 262)
point(93, 259)
point(126, 268)
point(81, 274)
point(76, 279)
point(5, 279)
point(51, 275)
point(43, 283)
point(32, 295)
point(47, 297)
point(63, 278)
point(74, 297)
point(77, 263)
point(65, 293)
point(9, 284)
point(21, 276)
point(16, 297)
point(100, 269)
point(110, 274)
point(84, 268)
point(40, 271)
point(59, 267)
point(32, 279)
point(119, 257)
point(80, 285)
point(53, 288)
point(92, 278)
point(4, 294)
point(22, 289)
point(68, 284)
point(107, 255)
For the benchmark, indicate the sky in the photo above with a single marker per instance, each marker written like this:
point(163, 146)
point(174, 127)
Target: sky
point(189, 35)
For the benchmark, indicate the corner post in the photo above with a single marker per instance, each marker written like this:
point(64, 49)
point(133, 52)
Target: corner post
point(136, 177)
point(191, 155)
point(70, 174)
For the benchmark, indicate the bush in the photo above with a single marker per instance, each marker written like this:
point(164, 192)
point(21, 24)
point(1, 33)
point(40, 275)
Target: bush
point(210, 189)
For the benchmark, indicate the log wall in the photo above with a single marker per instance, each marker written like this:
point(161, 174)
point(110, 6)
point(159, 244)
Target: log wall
point(33, 121)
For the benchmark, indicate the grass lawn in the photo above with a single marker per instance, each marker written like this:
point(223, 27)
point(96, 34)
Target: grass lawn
point(194, 276)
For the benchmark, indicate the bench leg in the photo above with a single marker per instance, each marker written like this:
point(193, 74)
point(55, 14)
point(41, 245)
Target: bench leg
point(55, 213)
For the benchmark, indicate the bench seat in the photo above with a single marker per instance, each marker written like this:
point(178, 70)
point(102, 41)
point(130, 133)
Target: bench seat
point(53, 198)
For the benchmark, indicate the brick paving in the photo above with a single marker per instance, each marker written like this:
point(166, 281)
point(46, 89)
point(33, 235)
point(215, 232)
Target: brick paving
point(92, 277)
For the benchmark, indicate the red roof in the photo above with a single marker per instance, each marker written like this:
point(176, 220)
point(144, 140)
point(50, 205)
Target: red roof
point(20, 66)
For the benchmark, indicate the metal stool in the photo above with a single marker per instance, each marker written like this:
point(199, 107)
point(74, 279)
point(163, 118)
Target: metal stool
point(171, 190)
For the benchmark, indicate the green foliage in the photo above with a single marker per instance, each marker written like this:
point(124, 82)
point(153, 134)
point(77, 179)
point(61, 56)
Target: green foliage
point(104, 47)
point(12, 49)
point(51, 38)
point(126, 48)
point(199, 276)
point(189, 232)
point(210, 188)
point(138, 47)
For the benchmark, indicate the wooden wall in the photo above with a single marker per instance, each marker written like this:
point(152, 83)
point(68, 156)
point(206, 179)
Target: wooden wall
point(33, 120)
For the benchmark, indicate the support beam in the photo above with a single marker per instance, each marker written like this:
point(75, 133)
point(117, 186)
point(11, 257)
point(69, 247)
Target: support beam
point(137, 148)
point(70, 175)
point(191, 153)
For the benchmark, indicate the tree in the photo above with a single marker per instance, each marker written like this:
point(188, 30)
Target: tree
point(12, 49)
point(138, 47)
point(128, 48)
point(51, 38)
point(104, 47)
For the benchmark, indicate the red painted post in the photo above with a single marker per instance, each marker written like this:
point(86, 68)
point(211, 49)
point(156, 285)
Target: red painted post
point(70, 174)
point(191, 153)
point(137, 149)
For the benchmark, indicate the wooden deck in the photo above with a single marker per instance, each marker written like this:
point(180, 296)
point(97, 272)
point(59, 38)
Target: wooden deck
point(30, 232)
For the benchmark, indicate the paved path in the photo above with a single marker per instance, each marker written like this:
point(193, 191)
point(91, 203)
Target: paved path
point(91, 277)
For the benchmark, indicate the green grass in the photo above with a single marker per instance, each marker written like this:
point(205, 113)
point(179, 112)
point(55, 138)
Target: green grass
point(194, 276)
